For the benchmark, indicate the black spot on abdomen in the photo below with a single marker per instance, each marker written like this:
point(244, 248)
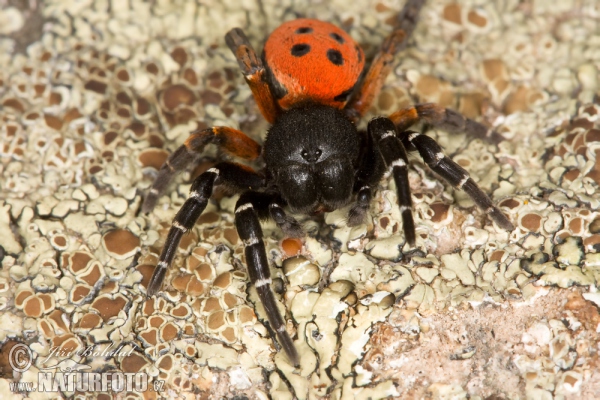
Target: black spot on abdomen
point(337, 37)
point(300, 49)
point(335, 57)
point(304, 29)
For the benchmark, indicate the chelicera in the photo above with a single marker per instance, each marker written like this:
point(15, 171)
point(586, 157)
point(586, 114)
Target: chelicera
point(311, 85)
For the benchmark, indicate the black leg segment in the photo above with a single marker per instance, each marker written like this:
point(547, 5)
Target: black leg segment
point(383, 132)
point(250, 231)
point(232, 175)
point(456, 175)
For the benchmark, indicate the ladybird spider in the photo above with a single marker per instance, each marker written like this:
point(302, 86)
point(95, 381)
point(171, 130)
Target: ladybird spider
point(309, 85)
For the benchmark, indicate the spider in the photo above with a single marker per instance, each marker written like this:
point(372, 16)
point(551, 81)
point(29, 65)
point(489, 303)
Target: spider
point(311, 85)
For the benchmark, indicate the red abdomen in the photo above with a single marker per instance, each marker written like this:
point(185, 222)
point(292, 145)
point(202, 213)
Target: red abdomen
point(312, 61)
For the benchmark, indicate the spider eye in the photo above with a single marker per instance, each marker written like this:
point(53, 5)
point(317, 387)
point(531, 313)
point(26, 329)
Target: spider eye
point(311, 155)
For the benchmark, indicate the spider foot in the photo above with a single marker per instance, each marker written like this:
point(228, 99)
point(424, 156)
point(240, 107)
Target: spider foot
point(356, 215)
point(289, 225)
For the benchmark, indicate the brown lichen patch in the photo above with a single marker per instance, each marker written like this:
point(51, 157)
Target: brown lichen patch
point(189, 330)
point(169, 332)
point(520, 99)
point(189, 284)
point(71, 115)
point(180, 56)
point(180, 282)
point(471, 104)
point(110, 287)
point(176, 96)
point(33, 307)
point(229, 335)
point(94, 275)
point(209, 218)
point(133, 363)
point(216, 320)
point(497, 255)
point(510, 203)
point(67, 343)
point(96, 86)
point(79, 293)
point(190, 351)
point(195, 287)
point(48, 302)
point(77, 261)
point(229, 300)
point(592, 242)
point(231, 235)
point(440, 212)
point(120, 243)
point(192, 262)
point(246, 315)
point(384, 222)
point(148, 308)
point(531, 222)
point(46, 328)
point(571, 174)
point(187, 241)
point(493, 69)
point(149, 336)
point(165, 363)
point(204, 272)
point(211, 304)
point(155, 321)
point(592, 135)
point(431, 89)
point(452, 13)
point(153, 158)
point(59, 242)
point(576, 226)
point(22, 296)
point(477, 19)
point(90, 321)
point(15, 104)
point(182, 311)
point(123, 75)
point(109, 306)
point(223, 281)
point(146, 271)
point(53, 122)
point(56, 319)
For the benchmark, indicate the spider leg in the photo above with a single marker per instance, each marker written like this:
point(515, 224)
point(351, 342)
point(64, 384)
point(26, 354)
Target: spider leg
point(254, 72)
point(395, 157)
point(231, 140)
point(288, 224)
point(369, 173)
point(232, 175)
point(247, 211)
point(382, 64)
point(454, 174)
point(443, 118)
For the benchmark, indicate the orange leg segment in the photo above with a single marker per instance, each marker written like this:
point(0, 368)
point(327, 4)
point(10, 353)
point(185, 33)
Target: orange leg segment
point(383, 62)
point(254, 72)
point(231, 140)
